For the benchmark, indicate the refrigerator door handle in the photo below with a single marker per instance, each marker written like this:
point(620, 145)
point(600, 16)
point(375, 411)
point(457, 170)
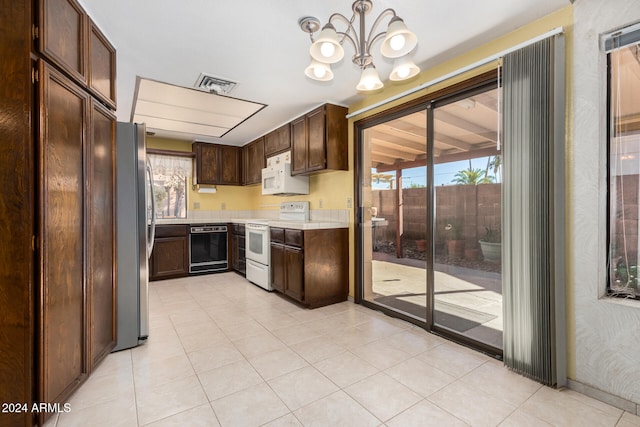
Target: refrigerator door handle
point(152, 234)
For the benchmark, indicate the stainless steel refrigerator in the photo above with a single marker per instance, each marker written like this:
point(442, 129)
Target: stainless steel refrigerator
point(135, 230)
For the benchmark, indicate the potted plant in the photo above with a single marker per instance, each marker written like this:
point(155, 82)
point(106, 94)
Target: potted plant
point(471, 251)
point(491, 245)
point(455, 243)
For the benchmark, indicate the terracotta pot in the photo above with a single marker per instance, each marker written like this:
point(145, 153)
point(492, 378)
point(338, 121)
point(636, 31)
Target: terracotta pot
point(472, 254)
point(455, 248)
point(421, 245)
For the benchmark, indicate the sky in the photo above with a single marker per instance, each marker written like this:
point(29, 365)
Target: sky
point(444, 173)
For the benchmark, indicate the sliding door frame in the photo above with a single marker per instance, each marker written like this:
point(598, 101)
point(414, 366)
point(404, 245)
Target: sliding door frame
point(435, 104)
point(481, 82)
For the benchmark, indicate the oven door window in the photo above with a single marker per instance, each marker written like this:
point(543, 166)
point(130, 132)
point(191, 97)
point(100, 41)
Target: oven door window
point(256, 244)
point(208, 247)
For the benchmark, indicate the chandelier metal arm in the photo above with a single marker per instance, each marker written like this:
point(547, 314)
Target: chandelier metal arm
point(378, 36)
point(377, 22)
point(350, 28)
point(346, 36)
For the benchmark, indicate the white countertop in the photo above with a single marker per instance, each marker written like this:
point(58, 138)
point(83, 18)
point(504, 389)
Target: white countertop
point(187, 221)
point(298, 225)
point(307, 225)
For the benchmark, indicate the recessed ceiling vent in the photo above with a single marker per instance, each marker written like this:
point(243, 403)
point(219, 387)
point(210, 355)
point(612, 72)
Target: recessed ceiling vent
point(214, 84)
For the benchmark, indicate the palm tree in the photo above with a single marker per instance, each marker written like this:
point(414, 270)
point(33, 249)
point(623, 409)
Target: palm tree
point(472, 176)
point(496, 164)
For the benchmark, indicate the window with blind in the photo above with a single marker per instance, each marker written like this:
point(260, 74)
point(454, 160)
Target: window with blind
point(623, 61)
point(171, 177)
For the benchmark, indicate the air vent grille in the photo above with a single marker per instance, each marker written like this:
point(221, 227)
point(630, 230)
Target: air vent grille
point(214, 84)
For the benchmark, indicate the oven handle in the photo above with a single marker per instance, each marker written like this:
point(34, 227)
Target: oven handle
point(196, 231)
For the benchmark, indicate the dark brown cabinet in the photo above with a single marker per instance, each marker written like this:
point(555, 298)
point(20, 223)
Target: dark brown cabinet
point(319, 140)
point(299, 145)
point(62, 36)
point(102, 66)
point(294, 272)
point(238, 253)
point(231, 165)
point(63, 116)
point(254, 161)
point(69, 39)
point(101, 237)
point(278, 140)
point(277, 266)
point(310, 266)
point(57, 172)
point(170, 255)
point(218, 164)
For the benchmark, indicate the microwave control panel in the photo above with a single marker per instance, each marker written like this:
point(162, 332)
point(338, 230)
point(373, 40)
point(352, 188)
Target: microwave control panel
point(279, 159)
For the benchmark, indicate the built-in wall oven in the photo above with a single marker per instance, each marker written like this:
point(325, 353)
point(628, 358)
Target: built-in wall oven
point(257, 253)
point(208, 248)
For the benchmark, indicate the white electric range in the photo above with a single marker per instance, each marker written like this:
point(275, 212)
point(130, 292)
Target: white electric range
point(258, 242)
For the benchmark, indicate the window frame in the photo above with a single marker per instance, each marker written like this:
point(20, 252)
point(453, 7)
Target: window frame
point(189, 179)
point(609, 48)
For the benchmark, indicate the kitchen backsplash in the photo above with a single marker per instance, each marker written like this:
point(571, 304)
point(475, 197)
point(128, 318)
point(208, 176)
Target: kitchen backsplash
point(329, 215)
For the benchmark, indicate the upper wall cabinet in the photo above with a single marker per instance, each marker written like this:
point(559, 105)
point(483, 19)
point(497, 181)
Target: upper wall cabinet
point(254, 161)
point(68, 38)
point(218, 164)
point(278, 141)
point(319, 141)
point(102, 66)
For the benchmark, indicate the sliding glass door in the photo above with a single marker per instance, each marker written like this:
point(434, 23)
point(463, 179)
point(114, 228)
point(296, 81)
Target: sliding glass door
point(467, 182)
point(394, 206)
point(430, 182)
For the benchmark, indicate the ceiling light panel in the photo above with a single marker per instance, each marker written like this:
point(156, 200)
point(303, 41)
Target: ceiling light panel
point(168, 107)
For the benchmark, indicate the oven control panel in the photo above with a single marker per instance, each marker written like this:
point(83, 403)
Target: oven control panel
point(294, 211)
point(209, 229)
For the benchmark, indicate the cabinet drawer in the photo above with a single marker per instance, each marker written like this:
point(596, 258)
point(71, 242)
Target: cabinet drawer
point(171, 231)
point(277, 234)
point(294, 237)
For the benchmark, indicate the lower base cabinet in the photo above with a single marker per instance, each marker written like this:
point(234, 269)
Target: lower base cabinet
point(170, 255)
point(238, 258)
point(310, 266)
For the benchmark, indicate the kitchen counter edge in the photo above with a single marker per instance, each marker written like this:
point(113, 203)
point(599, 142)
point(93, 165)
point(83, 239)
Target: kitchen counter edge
point(298, 225)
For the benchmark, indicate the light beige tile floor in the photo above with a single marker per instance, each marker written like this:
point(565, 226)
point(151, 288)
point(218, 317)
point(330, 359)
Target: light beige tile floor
point(223, 352)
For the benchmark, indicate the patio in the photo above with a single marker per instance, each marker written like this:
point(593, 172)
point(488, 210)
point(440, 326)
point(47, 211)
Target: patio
point(467, 301)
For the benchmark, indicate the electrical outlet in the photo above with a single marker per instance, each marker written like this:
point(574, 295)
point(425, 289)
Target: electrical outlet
point(196, 205)
point(349, 202)
point(223, 206)
point(320, 203)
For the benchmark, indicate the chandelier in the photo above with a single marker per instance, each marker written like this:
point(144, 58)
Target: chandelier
point(327, 49)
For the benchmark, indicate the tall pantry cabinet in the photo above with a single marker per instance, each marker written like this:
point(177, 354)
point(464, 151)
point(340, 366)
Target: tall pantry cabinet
point(57, 173)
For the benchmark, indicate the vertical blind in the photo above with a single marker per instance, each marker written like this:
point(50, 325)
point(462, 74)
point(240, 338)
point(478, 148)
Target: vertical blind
point(533, 136)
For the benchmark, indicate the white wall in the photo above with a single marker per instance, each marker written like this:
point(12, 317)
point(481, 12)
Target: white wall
point(607, 347)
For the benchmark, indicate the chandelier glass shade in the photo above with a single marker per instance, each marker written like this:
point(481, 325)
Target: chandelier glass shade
point(319, 71)
point(326, 49)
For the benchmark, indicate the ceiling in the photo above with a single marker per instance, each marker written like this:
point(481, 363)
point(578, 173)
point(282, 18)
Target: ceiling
point(259, 45)
point(464, 129)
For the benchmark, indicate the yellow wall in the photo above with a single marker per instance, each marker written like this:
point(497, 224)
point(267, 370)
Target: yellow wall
point(328, 190)
point(562, 18)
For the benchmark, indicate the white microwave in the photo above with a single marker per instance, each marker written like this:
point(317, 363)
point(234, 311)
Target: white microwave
point(277, 179)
